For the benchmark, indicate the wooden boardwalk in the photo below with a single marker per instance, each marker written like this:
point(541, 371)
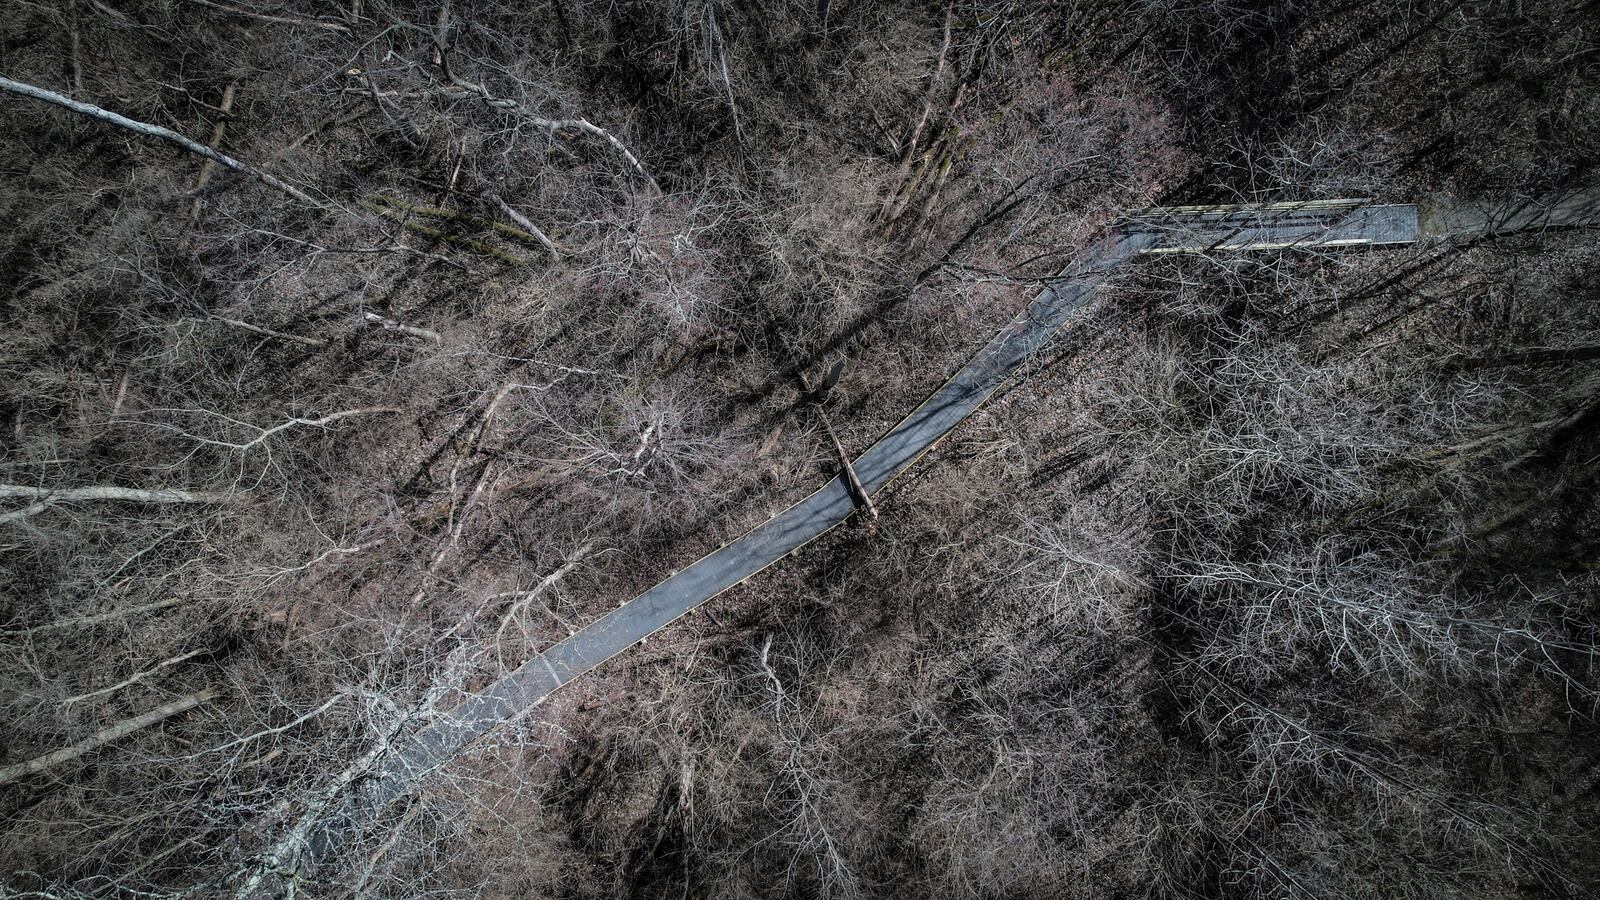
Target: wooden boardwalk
point(1184, 229)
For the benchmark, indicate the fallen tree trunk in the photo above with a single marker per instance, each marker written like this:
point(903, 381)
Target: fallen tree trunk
point(858, 491)
point(527, 225)
point(106, 735)
point(114, 614)
point(156, 131)
point(110, 492)
point(224, 110)
point(44, 498)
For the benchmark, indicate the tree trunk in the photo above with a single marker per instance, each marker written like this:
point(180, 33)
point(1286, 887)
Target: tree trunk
point(156, 131)
point(106, 735)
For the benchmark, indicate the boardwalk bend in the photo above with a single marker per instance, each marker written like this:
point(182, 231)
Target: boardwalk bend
point(1320, 224)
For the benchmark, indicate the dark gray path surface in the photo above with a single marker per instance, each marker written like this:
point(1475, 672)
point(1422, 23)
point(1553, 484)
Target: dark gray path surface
point(1326, 223)
point(1176, 229)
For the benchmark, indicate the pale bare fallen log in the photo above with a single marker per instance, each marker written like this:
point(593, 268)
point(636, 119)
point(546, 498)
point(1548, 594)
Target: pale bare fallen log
point(858, 491)
point(137, 677)
point(31, 509)
point(106, 736)
point(74, 47)
point(525, 224)
point(156, 131)
point(903, 170)
point(391, 325)
point(44, 498)
point(111, 492)
point(225, 109)
point(100, 617)
point(268, 332)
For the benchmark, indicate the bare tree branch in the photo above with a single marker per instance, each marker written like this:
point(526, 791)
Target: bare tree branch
point(225, 109)
point(268, 332)
point(156, 131)
point(412, 330)
point(321, 422)
point(526, 225)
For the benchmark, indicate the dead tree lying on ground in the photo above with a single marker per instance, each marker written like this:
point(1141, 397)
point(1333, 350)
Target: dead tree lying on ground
point(156, 131)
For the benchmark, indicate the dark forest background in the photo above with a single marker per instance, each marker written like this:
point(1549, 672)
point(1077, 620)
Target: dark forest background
point(1275, 577)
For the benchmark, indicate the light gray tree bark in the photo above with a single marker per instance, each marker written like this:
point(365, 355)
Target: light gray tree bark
point(156, 131)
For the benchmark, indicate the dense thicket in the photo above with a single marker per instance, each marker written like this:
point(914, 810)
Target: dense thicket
point(1275, 577)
